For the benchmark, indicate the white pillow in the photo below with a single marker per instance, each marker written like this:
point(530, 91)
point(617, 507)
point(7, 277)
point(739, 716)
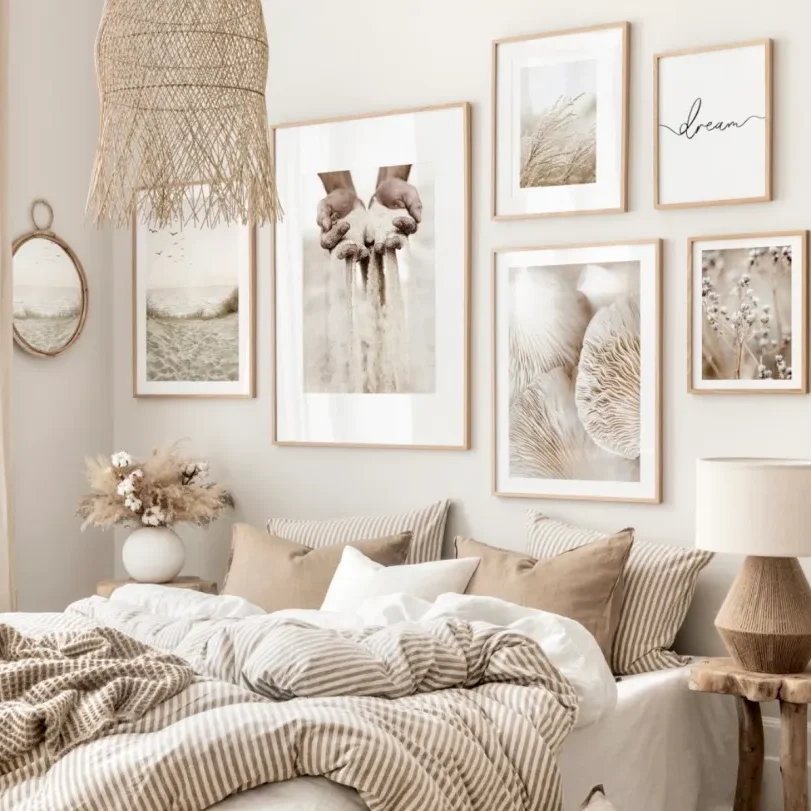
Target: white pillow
point(357, 579)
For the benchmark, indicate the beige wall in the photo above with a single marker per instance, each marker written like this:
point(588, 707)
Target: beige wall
point(62, 405)
point(336, 58)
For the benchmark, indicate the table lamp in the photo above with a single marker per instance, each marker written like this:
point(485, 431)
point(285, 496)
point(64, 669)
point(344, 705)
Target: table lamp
point(760, 508)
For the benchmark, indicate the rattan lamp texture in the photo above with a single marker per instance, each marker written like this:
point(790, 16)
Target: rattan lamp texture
point(182, 91)
point(760, 508)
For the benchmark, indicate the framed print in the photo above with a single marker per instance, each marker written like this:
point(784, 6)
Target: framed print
point(577, 371)
point(371, 267)
point(748, 318)
point(193, 311)
point(560, 123)
point(713, 125)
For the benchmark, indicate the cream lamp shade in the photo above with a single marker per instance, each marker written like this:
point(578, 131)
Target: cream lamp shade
point(754, 506)
point(760, 508)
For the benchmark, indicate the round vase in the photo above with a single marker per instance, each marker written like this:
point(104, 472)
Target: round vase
point(153, 555)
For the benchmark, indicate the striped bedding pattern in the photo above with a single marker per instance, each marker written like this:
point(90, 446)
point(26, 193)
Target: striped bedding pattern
point(660, 581)
point(61, 690)
point(426, 525)
point(488, 740)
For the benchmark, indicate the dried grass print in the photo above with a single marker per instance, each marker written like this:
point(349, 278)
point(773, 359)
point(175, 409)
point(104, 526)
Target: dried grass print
point(559, 125)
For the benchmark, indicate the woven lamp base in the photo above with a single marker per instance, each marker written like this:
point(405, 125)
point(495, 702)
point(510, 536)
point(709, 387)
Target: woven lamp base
point(765, 620)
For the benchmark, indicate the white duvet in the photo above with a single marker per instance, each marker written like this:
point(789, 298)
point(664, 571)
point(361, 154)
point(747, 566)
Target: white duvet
point(569, 646)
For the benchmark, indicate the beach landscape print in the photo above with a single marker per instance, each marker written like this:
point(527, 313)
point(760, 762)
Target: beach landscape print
point(194, 311)
point(369, 280)
point(48, 297)
point(370, 269)
point(560, 122)
point(576, 349)
point(748, 321)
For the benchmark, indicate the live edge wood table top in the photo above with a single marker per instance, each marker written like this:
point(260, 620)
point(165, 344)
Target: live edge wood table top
point(751, 689)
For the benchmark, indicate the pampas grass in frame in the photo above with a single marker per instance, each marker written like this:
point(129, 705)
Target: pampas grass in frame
point(576, 374)
point(560, 123)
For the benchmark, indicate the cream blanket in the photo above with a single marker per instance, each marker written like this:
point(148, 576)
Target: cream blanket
point(448, 716)
point(61, 690)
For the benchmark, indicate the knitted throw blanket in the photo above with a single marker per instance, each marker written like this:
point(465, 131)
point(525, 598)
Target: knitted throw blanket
point(67, 688)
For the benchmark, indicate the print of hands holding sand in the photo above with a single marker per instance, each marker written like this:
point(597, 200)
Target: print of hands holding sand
point(354, 231)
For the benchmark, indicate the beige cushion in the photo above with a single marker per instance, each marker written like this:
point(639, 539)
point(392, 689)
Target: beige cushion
point(660, 581)
point(427, 526)
point(584, 585)
point(275, 573)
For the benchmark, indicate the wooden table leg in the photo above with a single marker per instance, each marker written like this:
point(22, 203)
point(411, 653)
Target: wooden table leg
point(794, 756)
point(750, 756)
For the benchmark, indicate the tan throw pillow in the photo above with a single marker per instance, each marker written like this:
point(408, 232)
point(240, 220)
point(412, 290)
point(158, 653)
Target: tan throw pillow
point(660, 581)
point(275, 573)
point(584, 584)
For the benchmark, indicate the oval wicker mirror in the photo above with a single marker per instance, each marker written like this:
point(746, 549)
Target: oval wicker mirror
point(50, 289)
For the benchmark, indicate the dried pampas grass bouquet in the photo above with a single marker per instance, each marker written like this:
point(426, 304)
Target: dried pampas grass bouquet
point(162, 490)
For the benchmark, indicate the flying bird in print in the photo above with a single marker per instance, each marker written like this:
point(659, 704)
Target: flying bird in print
point(158, 253)
point(173, 233)
point(152, 231)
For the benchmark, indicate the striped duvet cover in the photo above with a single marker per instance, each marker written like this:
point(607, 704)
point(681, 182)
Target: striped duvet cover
point(443, 714)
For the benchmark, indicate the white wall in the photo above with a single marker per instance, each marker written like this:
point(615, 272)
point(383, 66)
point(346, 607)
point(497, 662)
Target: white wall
point(336, 58)
point(62, 405)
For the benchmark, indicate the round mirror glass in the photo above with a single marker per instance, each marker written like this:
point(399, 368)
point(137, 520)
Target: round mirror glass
point(50, 294)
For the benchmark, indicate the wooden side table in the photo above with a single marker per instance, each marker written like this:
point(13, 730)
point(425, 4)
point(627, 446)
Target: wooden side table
point(751, 689)
point(104, 588)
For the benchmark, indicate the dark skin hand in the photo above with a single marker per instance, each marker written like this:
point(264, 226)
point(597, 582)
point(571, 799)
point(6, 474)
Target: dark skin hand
point(332, 210)
point(394, 192)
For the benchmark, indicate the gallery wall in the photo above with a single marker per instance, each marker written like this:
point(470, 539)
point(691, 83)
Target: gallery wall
point(331, 59)
point(63, 406)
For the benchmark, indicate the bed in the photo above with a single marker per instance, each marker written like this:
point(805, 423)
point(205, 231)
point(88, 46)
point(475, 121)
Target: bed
point(662, 749)
point(646, 740)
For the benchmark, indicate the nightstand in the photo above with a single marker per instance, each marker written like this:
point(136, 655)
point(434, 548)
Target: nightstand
point(751, 689)
point(104, 588)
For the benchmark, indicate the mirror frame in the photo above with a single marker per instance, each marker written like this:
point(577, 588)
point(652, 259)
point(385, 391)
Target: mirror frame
point(50, 235)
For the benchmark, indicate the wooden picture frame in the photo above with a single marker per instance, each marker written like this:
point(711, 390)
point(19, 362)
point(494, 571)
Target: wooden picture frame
point(462, 421)
point(648, 488)
point(798, 318)
point(612, 201)
point(731, 125)
point(244, 387)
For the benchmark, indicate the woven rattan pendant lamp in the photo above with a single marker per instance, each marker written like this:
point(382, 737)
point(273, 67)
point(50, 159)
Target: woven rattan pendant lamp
point(182, 88)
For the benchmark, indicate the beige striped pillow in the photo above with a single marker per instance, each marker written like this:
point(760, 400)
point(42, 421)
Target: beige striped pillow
point(660, 581)
point(427, 528)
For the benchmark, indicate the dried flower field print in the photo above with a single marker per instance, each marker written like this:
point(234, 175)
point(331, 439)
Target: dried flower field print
point(574, 360)
point(559, 124)
point(746, 312)
point(369, 280)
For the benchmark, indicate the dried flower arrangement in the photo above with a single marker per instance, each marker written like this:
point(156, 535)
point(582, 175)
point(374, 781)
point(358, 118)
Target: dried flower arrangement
point(746, 300)
point(162, 490)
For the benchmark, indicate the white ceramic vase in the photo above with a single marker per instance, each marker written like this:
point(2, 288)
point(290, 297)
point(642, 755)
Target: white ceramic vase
point(153, 555)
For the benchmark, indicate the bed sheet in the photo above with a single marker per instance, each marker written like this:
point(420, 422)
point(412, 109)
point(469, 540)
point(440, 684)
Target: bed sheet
point(662, 749)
